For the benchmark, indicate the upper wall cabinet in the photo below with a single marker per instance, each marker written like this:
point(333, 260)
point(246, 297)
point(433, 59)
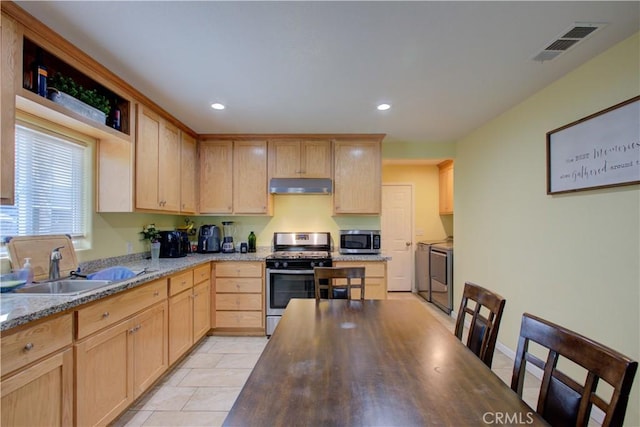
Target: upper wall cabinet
point(357, 177)
point(157, 162)
point(250, 177)
point(233, 177)
point(9, 57)
point(216, 177)
point(188, 174)
point(294, 158)
point(446, 187)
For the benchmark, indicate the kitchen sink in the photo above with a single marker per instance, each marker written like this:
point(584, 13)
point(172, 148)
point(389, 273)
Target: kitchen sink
point(64, 287)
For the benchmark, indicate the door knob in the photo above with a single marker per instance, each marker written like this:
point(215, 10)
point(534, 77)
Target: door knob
point(408, 244)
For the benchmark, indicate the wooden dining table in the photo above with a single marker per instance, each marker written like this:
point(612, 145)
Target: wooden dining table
point(372, 363)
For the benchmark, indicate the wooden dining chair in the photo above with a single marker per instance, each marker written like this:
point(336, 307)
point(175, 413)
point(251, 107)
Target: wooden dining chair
point(483, 329)
point(564, 401)
point(336, 279)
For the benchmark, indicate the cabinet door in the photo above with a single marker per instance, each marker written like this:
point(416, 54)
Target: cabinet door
point(180, 325)
point(216, 177)
point(284, 158)
point(10, 48)
point(41, 395)
point(188, 158)
point(169, 173)
point(147, 156)
point(315, 160)
point(250, 177)
point(357, 177)
point(201, 310)
point(104, 383)
point(446, 187)
point(150, 350)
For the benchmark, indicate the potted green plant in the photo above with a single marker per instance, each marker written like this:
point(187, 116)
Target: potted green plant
point(86, 102)
point(152, 234)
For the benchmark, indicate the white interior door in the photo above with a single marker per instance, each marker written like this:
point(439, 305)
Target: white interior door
point(397, 231)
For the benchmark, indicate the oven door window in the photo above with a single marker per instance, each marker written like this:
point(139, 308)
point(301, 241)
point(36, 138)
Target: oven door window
point(284, 286)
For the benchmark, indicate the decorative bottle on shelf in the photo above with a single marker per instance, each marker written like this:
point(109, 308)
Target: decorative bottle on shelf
point(252, 242)
point(39, 75)
point(116, 120)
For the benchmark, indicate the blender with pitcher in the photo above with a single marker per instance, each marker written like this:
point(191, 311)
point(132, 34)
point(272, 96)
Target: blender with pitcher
point(228, 229)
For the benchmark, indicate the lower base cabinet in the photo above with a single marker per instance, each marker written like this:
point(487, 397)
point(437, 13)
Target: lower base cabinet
point(375, 280)
point(115, 366)
point(41, 395)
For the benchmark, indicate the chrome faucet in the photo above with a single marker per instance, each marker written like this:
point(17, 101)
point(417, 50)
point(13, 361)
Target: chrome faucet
point(54, 264)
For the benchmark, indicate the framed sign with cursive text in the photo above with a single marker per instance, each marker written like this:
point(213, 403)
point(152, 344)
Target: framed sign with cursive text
point(598, 151)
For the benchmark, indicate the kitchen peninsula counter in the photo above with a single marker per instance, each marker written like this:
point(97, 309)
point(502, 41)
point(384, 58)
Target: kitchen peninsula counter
point(18, 309)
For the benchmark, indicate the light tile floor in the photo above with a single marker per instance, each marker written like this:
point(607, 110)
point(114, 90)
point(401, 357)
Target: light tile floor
point(201, 389)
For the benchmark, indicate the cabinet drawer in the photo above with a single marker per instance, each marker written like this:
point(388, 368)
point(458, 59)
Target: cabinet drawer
point(180, 282)
point(243, 285)
point(34, 342)
point(202, 273)
point(113, 309)
point(239, 302)
point(239, 269)
point(372, 269)
point(374, 289)
point(239, 319)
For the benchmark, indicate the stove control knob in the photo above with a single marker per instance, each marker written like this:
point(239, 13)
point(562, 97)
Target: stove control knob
point(321, 264)
point(276, 264)
point(312, 264)
point(285, 264)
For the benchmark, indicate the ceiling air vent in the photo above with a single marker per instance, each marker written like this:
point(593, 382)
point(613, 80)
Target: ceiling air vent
point(570, 37)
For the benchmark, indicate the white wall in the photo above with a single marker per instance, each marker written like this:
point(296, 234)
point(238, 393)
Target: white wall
point(573, 259)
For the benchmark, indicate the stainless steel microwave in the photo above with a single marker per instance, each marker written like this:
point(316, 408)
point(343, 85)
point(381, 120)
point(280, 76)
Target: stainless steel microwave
point(360, 242)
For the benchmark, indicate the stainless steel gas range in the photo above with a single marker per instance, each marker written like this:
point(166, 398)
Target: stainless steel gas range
point(290, 270)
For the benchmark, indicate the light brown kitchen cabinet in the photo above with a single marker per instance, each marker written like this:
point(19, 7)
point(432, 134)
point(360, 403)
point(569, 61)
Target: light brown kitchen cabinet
point(37, 372)
point(157, 162)
point(188, 174)
point(40, 395)
point(189, 306)
point(357, 177)
point(445, 173)
point(216, 177)
point(11, 62)
point(250, 177)
point(122, 349)
point(239, 298)
point(375, 279)
point(117, 365)
point(300, 158)
point(233, 177)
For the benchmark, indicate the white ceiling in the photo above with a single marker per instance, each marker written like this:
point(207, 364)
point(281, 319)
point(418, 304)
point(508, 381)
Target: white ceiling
point(322, 67)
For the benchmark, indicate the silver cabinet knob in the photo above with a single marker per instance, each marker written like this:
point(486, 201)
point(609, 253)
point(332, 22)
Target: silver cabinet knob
point(28, 346)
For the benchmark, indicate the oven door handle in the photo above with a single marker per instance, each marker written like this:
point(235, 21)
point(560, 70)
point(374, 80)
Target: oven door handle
point(270, 271)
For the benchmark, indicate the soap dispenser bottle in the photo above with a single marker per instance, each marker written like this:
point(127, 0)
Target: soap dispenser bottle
point(28, 269)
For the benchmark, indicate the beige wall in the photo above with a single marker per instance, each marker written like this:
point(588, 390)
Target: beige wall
point(573, 259)
point(426, 192)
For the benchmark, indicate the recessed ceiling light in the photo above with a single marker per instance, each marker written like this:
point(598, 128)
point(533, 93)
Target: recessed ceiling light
point(383, 107)
point(217, 106)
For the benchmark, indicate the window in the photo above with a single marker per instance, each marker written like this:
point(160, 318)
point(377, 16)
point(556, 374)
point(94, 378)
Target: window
point(52, 179)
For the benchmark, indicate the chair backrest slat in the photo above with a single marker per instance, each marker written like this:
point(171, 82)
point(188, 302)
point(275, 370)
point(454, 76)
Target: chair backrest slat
point(563, 400)
point(483, 330)
point(343, 274)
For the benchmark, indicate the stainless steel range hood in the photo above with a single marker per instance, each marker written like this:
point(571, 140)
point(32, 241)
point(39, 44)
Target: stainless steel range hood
point(300, 186)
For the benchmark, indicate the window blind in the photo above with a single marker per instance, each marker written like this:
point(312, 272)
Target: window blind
point(50, 187)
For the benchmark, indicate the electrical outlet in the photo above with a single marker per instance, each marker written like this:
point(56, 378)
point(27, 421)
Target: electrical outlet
point(129, 248)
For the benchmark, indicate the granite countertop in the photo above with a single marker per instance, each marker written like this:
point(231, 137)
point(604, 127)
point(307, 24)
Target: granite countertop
point(17, 309)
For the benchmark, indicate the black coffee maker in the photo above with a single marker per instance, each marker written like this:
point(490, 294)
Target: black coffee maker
point(172, 244)
point(208, 239)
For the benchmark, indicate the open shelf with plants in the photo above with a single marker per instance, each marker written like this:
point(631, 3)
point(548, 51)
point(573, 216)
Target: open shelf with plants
point(71, 92)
